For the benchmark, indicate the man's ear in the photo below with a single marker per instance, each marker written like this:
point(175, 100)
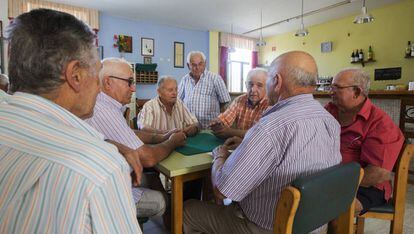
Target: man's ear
point(357, 91)
point(278, 82)
point(73, 75)
point(106, 83)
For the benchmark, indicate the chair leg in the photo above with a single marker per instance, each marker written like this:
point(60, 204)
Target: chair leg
point(360, 222)
point(397, 226)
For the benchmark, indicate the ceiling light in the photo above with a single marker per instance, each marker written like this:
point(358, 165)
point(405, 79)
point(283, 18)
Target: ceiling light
point(364, 17)
point(302, 31)
point(261, 42)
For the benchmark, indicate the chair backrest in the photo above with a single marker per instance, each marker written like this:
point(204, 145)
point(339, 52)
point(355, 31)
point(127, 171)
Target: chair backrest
point(401, 175)
point(407, 116)
point(313, 201)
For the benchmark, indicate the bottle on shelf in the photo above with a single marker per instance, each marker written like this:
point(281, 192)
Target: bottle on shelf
point(408, 49)
point(352, 57)
point(361, 55)
point(412, 49)
point(356, 57)
point(370, 54)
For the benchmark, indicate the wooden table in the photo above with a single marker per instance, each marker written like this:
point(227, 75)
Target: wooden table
point(180, 168)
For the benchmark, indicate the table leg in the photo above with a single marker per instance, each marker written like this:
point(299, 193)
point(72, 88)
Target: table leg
point(177, 205)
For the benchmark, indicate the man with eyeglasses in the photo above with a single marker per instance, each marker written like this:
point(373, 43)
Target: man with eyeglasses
point(368, 136)
point(117, 85)
point(202, 91)
point(245, 110)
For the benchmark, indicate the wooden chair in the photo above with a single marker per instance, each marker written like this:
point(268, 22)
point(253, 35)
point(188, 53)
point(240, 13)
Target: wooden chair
point(407, 119)
point(394, 210)
point(313, 201)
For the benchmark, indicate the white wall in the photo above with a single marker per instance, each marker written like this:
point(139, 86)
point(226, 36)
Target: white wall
point(5, 20)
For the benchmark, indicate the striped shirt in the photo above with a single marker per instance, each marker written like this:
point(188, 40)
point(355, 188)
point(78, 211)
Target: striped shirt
point(243, 112)
point(57, 175)
point(203, 99)
point(108, 119)
point(294, 138)
point(154, 115)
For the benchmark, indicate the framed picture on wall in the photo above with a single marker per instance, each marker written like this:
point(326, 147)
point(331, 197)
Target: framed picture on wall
point(179, 54)
point(147, 46)
point(125, 43)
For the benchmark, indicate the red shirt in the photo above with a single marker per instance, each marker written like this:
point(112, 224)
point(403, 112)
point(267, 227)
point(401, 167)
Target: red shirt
point(372, 139)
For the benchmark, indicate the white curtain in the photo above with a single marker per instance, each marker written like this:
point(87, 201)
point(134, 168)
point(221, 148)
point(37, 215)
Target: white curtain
point(236, 41)
point(89, 16)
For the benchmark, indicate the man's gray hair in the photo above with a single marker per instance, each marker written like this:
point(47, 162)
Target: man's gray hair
point(192, 53)
point(164, 79)
point(108, 66)
point(254, 72)
point(4, 80)
point(360, 78)
point(42, 43)
point(295, 75)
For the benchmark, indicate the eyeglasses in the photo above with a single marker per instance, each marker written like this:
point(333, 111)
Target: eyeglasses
point(335, 87)
point(130, 80)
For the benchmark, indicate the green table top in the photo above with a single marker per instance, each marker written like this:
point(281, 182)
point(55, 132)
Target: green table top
point(201, 143)
point(179, 164)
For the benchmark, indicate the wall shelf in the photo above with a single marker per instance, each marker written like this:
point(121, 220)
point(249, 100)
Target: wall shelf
point(147, 77)
point(364, 62)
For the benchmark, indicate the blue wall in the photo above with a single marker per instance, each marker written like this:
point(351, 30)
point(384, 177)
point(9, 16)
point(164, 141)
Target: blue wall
point(164, 37)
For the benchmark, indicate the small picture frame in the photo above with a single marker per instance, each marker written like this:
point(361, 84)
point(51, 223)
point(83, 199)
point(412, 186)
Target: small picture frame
point(326, 47)
point(100, 52)
point(179, 54)
point(147, 46)
point(147, 60)
point(125, 44)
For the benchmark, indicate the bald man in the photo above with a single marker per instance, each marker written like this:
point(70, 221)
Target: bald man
point(284, 141)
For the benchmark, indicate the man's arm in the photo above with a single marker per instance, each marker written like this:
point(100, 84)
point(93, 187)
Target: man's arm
point(150, 155)
point(220, 155)
point(192, 129)
point(132, 158)
point(375, 175)
point(151, 130)
point(226, 132)
point(154, 137)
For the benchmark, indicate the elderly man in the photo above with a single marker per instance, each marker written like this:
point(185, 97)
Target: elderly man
point(117, 85)
point(295, 137)
point(202, 91)
point(57, 173)
point(368, 136)
point(246, 109)
point(4, 83)
point(165, 112)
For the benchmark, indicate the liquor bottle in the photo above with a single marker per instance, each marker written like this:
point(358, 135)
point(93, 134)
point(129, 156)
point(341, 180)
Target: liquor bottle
point(412, 50)
point(361, 55)
point(356, 57)
point(408, 49)
point(370, 53)
point(352, 57)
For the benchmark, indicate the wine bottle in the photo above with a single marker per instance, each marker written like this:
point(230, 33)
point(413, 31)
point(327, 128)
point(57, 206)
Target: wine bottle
point(370, 53)
point(412, 50)
point(408, 49)
point(361, 55)
point(356, 58)
point(352, 57)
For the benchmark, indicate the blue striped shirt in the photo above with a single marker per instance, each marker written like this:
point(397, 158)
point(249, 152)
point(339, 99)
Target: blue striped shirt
point(108, 119)
point(57, 175)
point(203, 99)
point(294, 138)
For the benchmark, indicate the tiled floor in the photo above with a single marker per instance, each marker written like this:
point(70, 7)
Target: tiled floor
point(372, 226)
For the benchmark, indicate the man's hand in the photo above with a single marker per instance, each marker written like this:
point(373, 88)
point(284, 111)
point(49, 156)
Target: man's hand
point(215, 124)
point(167, 135)
point(233, 142)
point(221, 151)
point(223, 132)
point(133, 159)
point(178, 139)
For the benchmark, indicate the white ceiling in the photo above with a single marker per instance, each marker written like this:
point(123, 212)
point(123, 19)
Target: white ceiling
point(218, 15)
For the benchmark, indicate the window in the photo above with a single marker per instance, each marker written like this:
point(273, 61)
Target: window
point(238, 65)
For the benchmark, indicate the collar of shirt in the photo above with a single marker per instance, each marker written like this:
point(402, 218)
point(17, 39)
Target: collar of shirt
point(52, 110)
point(162, 104)
point(365, 111)
point(203, 74)
point(109, 101)
point(288, 101)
